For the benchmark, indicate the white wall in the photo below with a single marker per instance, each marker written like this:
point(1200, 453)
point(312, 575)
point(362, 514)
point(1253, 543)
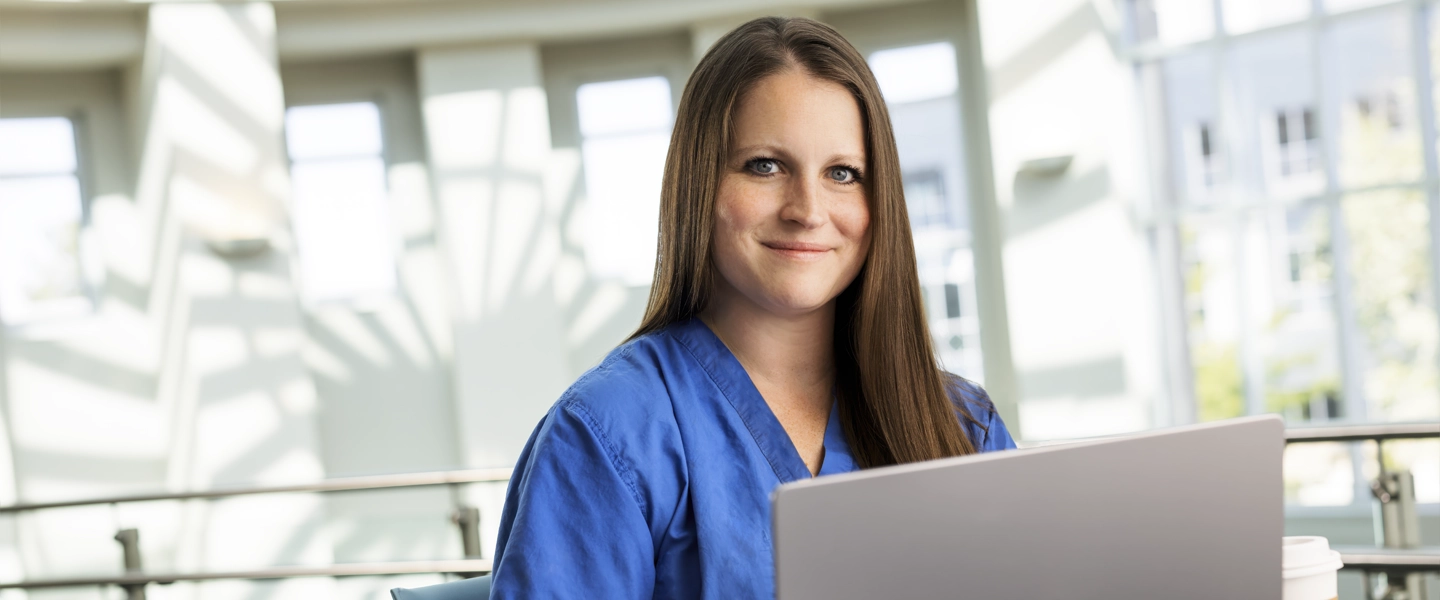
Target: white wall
point(1081, 296)
point(189, 374)
point(383, 367)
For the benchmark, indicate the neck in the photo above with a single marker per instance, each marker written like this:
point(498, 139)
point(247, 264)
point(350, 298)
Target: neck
point(790, 353)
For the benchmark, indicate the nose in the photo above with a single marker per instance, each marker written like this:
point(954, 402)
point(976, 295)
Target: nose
point(803, 204)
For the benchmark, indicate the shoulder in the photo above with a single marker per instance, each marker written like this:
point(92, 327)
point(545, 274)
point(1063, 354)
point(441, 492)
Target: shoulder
point(978, 414)
point(630, 378)
point(625, 398)
point(624, 410)
point(968, 396)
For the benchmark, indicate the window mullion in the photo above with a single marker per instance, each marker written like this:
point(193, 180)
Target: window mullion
point(1178, 405)
point(1425, 98)
point(1347, 326)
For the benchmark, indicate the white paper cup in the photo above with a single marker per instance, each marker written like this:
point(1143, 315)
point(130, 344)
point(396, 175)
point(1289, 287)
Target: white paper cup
point(1309, 567)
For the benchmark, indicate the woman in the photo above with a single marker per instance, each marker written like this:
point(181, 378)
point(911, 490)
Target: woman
point(784, 338)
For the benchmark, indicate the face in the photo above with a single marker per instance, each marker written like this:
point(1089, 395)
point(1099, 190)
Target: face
point(792, 224)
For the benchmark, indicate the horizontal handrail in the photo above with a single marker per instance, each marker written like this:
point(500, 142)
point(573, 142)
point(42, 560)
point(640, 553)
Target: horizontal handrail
point(1389, 559)
point(1354, 558)
point(1361, 433)
point(1324, 433)
point(342, 484)
point(472, 566)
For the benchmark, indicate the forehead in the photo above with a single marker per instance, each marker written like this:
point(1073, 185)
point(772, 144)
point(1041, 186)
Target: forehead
point(795, 109)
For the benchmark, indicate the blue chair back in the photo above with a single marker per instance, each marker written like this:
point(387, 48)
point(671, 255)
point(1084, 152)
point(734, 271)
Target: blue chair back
point(474, 588)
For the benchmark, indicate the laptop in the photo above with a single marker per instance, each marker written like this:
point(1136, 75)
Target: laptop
point(1187, 512)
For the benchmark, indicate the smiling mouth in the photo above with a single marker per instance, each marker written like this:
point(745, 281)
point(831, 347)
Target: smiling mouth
point(799, 250)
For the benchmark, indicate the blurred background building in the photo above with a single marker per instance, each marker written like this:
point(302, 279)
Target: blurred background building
point(267, 243)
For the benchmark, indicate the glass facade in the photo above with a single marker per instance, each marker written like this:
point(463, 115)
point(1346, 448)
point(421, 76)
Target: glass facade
point(1301, 196)
point(921, 88)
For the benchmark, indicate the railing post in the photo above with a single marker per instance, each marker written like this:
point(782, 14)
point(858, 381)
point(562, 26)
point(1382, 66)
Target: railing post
point(1397, 526)
point(467, 518)
point(130, 554)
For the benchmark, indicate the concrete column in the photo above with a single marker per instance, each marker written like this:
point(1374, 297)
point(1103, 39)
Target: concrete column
point(488, 140)
point(237, 403)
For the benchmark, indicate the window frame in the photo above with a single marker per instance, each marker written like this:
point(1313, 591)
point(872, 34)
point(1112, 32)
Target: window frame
point(90, 287)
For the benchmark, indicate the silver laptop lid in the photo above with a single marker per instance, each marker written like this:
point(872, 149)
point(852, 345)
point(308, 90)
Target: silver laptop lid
point(1188, 512)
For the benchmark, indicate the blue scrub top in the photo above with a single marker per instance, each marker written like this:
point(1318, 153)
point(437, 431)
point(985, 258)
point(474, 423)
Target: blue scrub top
point(651, 478)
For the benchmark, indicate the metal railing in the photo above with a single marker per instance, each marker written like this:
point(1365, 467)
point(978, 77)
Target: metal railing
point(1400, 562)
point(342, 484)
point(470, 566)
point(135, 578)
point(1378, 432)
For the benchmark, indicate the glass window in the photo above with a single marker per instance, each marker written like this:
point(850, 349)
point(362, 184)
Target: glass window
point(1192, 111)
point(1371, 80)
point(1343, 5)
point(1312, 136)
point(1294, 324)
point(921, 84)
point(340, 214)
point(41, 215)
point(1242, 16)
point(625, 126)
point(915, 73)
point(1212, 304)
point(1276, 115)
point(1389, 245)
point(1262, 323)
point(925, 199)
point(1434, 47)
point(1319, 475)
point(1172, 21)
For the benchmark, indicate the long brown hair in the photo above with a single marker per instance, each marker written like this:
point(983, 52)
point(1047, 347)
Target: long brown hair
point(892, 395)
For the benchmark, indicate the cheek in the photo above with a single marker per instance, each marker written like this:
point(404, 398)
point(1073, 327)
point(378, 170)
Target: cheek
point(729, 228)
point(853, 222)
point(737, 210)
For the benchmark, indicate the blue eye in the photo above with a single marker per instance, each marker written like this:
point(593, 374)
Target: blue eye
point(844, 175)
point(764, 166)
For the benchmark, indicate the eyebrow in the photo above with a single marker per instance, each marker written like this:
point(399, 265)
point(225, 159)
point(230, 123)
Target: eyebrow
point(781, 153)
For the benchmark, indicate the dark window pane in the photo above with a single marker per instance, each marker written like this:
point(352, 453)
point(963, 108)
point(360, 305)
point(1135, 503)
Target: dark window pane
point(925, 198)
point(952, 301)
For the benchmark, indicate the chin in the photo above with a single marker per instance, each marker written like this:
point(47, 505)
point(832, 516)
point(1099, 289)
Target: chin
point(797, 300)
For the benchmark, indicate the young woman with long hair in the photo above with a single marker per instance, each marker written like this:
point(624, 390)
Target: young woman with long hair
point(785, 338)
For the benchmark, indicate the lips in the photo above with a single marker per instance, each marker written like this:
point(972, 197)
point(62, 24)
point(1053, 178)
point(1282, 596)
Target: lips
point(797, 249)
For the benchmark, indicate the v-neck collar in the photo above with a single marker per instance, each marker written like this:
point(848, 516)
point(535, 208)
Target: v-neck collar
point(837, 451)
point(739, 390)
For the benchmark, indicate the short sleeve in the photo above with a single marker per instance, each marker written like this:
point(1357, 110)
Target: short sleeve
point(573, 526)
